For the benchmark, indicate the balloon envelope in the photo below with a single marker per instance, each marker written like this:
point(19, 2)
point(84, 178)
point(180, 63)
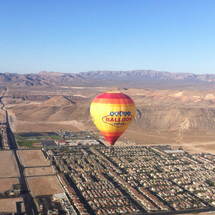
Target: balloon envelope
point(112, 113)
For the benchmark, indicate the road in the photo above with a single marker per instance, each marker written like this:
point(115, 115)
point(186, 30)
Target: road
point(2, 107)
point(30, 206)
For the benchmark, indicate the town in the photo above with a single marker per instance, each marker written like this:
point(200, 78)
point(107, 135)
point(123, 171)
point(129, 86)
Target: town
point(96, 179)
point(133, 179)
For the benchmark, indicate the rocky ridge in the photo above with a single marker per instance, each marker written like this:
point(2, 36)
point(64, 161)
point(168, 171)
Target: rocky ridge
point(102, 78)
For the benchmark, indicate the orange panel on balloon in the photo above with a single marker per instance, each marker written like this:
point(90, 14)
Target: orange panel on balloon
point(112, 113)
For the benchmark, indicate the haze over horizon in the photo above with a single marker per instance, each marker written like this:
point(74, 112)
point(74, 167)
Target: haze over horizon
point(80, 36)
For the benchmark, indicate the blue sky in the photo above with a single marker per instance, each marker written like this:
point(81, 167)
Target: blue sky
point(77, 36)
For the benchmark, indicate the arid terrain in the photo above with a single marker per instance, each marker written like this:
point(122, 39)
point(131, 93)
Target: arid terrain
point(177, 117)
point(180, 112)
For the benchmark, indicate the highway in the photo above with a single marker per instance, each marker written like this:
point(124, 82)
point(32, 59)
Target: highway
point(30, 206)
point(2, 107)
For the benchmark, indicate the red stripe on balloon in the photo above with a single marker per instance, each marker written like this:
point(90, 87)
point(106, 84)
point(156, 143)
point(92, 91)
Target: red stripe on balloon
point(113, 96)
point(111, 139)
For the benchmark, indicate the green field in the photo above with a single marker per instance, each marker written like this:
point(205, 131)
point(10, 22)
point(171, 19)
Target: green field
point(28, 143)
point(37, 136)
point(27, 139)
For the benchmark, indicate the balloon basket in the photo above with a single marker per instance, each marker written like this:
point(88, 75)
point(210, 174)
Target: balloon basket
point(111, 149)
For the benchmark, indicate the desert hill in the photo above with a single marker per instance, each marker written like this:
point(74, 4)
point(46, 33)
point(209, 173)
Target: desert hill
point(168, 111)
point(58, 101)
point(55, 109)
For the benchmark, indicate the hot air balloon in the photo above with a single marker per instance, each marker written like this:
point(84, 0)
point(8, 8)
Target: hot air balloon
point(112, 112)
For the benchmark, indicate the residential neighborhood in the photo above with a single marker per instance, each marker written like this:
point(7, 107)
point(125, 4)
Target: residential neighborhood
point(134, 179)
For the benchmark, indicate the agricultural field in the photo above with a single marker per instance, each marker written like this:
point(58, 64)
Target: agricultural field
point(33, 139)
point(38, 171)
point(8, 167)
point(43, 185)
point(39, 175)
point(32, 158)
point(9, 205)
point(7, 184)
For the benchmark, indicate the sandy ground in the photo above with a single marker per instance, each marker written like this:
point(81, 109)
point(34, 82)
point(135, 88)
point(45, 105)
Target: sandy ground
point(32, 158)
point(9, 205)
point(23, 126)
point(44, 185)
point(199, 147)
point(193, 143)
point(38, 171)
point(8, 167)
point(7, 184)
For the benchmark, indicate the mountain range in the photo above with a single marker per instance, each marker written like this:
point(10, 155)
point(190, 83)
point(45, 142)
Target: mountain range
point(105, 78)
